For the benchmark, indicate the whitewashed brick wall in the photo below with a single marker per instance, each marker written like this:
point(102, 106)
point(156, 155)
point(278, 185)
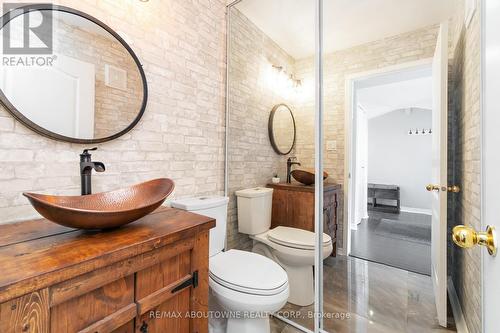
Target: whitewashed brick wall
point(252, 161)
point(182, 47)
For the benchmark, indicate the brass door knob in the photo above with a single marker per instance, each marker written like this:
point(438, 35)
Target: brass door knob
point(433, 187)
point(466, 237)
point(454, 188)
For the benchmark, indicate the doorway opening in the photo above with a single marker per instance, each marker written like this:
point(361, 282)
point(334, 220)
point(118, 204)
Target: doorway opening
point(389, 211)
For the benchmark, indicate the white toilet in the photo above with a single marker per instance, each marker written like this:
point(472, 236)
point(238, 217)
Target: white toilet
point(245, 286)
point(292, 248)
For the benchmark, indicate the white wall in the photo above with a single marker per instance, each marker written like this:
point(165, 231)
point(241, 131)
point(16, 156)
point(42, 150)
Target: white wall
point(396, 158)
point(361, 162)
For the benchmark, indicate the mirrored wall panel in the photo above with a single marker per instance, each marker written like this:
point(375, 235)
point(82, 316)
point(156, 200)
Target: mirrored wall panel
point(271, 105)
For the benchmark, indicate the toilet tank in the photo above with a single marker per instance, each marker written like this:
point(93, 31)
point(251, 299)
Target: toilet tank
point(211, 206)
point(254, 210)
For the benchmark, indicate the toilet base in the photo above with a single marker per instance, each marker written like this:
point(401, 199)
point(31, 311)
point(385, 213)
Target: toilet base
point(301, 281)
point(300, 278)
point(260, 325)
point(223, 324)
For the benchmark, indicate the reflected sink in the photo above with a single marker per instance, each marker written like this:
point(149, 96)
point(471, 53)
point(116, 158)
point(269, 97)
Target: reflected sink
point(103, 210)
point(306, 177)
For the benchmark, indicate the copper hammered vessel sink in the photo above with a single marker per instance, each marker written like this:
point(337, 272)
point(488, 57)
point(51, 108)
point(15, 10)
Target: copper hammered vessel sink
point(103, 210)
point(306, 177)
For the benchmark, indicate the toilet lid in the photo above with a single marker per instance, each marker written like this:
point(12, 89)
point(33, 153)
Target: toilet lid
point(296, 238)
point(248, 272)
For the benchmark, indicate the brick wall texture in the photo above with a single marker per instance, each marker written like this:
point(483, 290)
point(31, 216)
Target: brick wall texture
point(252, 161)
point(182, 47)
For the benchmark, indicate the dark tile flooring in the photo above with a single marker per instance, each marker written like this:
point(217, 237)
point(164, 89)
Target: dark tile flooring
point(377, 298)
point(374, 241)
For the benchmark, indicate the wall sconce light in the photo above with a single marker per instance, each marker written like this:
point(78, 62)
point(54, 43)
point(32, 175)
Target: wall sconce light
point(294, 82)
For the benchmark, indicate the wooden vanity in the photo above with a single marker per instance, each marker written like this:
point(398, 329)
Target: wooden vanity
point(293, 206)
point(143, 277)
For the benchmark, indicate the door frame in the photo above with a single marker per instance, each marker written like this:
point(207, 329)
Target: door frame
point(482, 111)
point(349, 163)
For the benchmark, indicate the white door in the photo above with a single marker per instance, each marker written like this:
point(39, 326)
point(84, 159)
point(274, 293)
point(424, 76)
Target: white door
point(62, 96)
point(491, 161)
point(439, 171)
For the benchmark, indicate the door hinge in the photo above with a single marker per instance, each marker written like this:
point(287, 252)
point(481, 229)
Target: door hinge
point(193, 281)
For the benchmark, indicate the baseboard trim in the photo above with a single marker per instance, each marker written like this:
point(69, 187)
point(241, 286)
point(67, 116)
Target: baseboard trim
point(341, 251)
point(456, 308)
point(416, 210)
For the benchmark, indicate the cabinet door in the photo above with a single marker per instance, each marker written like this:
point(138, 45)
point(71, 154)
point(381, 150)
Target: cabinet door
point(168, 293)
point(300, 210)
point(330, 205)
point(29, 313)
point(127, 328)
point(279, 208)
point(104, 309)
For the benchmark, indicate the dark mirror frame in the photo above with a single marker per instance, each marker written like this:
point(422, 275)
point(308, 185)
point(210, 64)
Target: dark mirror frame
point(271, 132)
point(7, 17)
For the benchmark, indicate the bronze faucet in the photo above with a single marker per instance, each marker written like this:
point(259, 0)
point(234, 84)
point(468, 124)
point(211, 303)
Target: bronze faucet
point(86, 166)
point(291, 161)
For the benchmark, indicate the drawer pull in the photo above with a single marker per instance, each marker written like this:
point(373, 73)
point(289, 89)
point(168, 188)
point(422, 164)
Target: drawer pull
point(162, 295)
point(193, 281)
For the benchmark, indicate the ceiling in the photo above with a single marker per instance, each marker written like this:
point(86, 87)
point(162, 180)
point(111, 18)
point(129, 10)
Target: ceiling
point(411, 89)
point(346, 22)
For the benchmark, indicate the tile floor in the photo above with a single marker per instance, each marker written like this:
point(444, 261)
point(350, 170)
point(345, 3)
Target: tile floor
point(377, 299)
point(370, 243)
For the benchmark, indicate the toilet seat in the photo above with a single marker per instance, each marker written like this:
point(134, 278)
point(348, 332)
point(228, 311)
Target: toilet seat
point(248, 273)
point(296, 238)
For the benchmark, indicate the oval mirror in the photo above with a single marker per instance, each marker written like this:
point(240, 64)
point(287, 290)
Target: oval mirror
point(68, 76)
point(282, 131)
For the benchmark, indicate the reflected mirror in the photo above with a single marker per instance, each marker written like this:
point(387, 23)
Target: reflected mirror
point(72, 78)
point(282, 129)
